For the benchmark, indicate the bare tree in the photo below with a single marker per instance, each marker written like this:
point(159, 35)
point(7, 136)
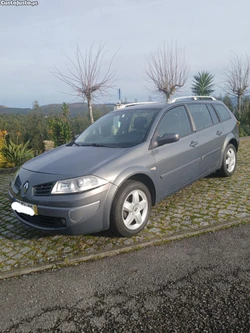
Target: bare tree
point(167, 69)
point(237, 76)
point(85, 77)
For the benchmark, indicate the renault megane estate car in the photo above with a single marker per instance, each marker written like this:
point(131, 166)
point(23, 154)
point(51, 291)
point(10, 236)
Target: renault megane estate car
point(127, 161)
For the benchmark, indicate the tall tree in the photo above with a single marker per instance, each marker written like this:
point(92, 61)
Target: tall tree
point(36, 106)
point(60, 127)
point(167, 69)
point(237, 78)
point(87, 77)
point(35, 130)
point(203, 84)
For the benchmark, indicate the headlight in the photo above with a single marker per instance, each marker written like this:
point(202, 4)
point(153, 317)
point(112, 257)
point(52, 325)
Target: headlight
point(79, 184)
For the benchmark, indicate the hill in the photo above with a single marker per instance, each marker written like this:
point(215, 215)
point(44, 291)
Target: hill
point(6, 110)
point(75, 109)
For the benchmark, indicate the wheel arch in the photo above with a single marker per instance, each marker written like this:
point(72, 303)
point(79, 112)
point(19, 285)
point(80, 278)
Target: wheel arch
point(235, 143)
point(136, 176)
point(224, 171)
point(230, 139)
point(147, 181)
point(126, 190)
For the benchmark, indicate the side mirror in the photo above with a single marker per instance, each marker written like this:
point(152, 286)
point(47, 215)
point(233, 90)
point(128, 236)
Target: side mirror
point(167, 138)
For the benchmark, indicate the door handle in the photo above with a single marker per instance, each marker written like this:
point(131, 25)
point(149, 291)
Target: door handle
point(193, 144)
point(219, 133)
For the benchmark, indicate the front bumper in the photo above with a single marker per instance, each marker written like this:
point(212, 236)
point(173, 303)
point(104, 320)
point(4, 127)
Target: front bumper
point(71, 214)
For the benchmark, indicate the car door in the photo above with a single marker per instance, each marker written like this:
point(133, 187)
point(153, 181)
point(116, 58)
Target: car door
point(209, 134)
point(177, 163)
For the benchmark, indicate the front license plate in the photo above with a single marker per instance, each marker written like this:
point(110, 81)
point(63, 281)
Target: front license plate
point(24, 207)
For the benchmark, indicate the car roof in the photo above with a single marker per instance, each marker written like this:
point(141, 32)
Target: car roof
point(175, 101)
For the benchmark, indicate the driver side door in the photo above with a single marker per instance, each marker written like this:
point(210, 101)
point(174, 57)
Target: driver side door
point(177, 163)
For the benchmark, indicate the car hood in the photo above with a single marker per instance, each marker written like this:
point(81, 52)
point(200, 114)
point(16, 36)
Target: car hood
point(73, 161)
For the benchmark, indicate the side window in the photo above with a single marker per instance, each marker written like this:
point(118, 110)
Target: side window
point(201, 116)
point(223, 112)
point(213, 114)
point(175, 121)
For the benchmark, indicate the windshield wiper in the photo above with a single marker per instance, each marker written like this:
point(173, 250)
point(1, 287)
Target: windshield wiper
point(71, 143)
point(83, 144)
point(77, 144)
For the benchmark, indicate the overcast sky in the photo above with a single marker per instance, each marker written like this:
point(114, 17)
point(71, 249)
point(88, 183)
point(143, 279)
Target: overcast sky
point(36, 38)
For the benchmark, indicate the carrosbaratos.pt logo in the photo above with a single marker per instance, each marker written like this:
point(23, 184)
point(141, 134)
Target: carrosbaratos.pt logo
point(18, 3)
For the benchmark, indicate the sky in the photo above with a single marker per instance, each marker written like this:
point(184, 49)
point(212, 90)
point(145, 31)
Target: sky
point(38, 37)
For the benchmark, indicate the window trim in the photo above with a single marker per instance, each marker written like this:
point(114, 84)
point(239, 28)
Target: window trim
point(211, 105)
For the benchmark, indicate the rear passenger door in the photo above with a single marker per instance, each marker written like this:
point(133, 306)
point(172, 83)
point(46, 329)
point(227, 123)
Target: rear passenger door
point(210, 136)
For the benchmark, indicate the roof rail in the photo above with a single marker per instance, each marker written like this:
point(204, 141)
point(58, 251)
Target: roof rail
point(195, 98)
point(119, 106)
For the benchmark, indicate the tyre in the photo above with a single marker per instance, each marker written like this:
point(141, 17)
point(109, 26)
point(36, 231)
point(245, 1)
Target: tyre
point(229, 161)
point(130, 209)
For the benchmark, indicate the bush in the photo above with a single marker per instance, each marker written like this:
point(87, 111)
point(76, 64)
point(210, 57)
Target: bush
point(59, 127)
point(3, 162)
point(15, 154)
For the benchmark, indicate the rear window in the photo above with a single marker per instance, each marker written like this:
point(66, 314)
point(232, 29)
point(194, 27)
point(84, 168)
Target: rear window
point(201, 116)
point(222, 111)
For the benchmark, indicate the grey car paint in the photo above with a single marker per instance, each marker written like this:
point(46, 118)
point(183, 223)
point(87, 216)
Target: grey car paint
point(164, 169)
point(72, 161)
point(210, 144)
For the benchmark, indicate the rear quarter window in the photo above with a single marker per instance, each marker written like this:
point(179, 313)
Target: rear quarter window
point(222, 111)
point(213, 114)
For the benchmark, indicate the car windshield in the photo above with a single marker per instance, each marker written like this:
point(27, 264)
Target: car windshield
point(119, 129)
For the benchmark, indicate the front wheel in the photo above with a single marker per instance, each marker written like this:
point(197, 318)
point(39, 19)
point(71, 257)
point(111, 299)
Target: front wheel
point(130, 209)
point(229, 161)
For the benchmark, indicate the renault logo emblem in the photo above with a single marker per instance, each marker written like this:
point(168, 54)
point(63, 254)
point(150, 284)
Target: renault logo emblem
point(25, 187)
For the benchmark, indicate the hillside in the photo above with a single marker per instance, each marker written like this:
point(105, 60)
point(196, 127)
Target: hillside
point(75, 109)
point(6, 110)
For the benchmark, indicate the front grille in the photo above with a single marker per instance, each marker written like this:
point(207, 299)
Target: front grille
point(43, 221)
point(43, 189)
point(17, 183)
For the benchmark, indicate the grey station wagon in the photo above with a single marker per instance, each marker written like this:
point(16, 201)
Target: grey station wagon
point(127, 161)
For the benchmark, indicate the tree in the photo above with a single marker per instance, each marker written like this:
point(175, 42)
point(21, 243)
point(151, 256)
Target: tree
point(59, 127)
point(244, 118)
point(227, 100)
point(167, 69)
point(237, 76)
point(65, 110)
point(35, 130)
point(85, 76)
point(36, 106)
point(203, 84)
